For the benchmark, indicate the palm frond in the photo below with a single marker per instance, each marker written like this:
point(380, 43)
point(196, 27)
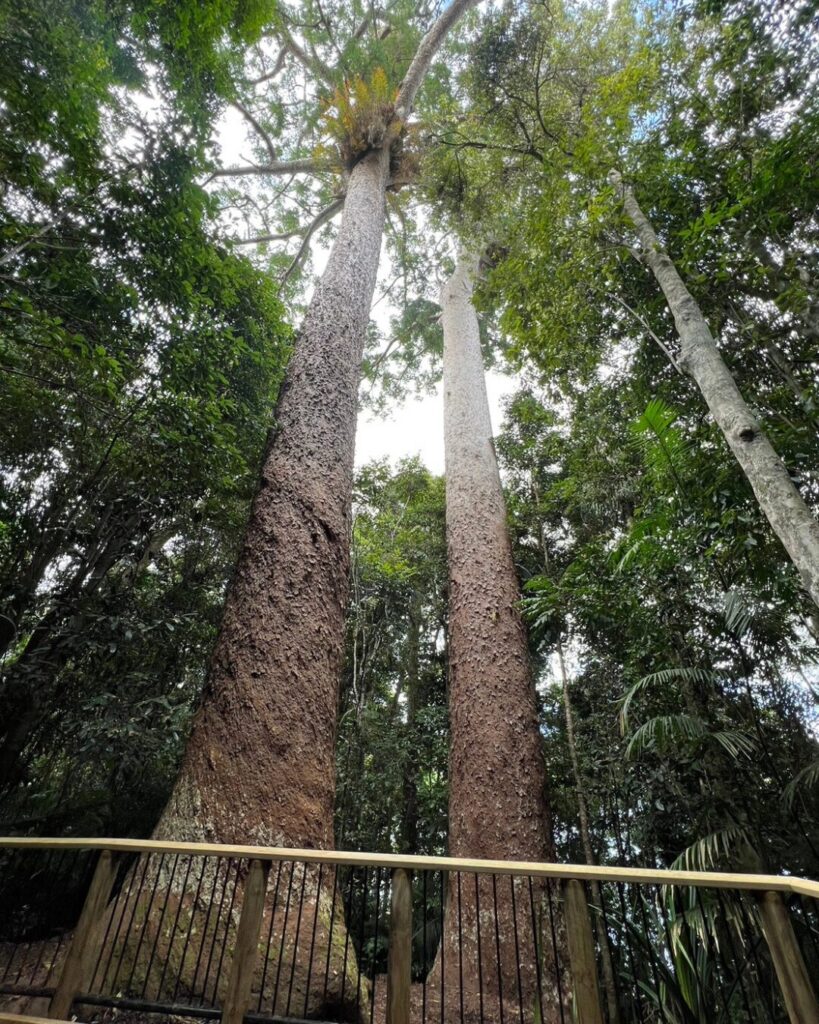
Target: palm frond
point(663, 731)
point(713, 849)
point(738, 613)
point(661, 678)
point(807, 778)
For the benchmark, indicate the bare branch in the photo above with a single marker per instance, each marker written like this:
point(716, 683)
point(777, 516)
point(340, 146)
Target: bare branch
point(278, 64)
point(249, 117)
point(305, 166)
point(326, 214)
point(311, 61)
point(642, 320)
point(258, 239)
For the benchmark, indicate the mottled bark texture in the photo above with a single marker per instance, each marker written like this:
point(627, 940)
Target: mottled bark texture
point(497, 803)
point(776, 493)
point(259, 766)
point(260, 763)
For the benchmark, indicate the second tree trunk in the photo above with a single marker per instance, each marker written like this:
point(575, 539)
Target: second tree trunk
point(497, 802)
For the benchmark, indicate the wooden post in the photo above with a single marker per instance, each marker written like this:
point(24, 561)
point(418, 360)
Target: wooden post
point(581, 954)
point(399, 962)
point(85, 943)
point(243, 964)
point(794, 981)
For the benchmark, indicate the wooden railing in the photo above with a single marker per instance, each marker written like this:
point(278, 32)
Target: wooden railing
point(260, 934)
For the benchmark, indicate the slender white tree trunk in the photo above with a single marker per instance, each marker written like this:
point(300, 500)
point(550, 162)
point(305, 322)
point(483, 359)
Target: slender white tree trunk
point(776, 493)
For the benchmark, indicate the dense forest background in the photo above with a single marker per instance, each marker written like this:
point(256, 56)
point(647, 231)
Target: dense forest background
point(141, 351)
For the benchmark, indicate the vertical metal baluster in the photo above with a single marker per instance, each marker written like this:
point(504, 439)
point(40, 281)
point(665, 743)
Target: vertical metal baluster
point(478, 933)
point(145, 923)
point(517, 946)
point(216, 926)
point(211, 899)
point(172, 935)
point(617, 993)
point(637, 992)
point(555, 947)
point(361, 939)
point(443, 943)
point(373, 964)
point(497, 946)
point(112, 913)
point(312, 941)
point(228, 920)
point(133, 874)
point(347, 926)
point(296, 940)
point(158, 935)
point(189, 932)
point(424, 943)
point(330, 936)
point(270, 939)
point(460, 945)
point(651, 956)
point(291, 865)
point(752, 944)
point(738, 968)
point(712, 951)
point(60, 858)
point(537, 950)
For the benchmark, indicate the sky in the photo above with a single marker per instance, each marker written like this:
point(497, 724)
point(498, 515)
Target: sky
point(416, 426)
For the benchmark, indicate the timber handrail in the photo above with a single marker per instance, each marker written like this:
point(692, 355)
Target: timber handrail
point(581, 872)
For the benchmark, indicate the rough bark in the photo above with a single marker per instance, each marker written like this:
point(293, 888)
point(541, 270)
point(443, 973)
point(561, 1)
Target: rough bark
point(776, 493)
point(497, 804)
point(260, 763)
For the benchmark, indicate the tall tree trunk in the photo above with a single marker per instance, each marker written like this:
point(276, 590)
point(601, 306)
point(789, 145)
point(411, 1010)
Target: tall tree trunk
point(497, 803)
point(260, 763)
point(259, 766)
point(700, 358)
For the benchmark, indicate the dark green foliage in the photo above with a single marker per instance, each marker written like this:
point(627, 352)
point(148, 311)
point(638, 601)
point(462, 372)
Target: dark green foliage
point(392, 790)
point(139, 362)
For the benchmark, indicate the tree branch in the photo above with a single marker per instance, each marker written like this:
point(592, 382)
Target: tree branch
point(305, 166)
point(326, 214)
point(427, 49)
point(647, 328)
point(249, 117)
point(311, 61)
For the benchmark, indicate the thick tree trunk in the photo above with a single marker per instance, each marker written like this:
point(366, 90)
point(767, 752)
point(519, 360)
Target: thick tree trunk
point(700, 358)
point(497, 803)
point(260, 763)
